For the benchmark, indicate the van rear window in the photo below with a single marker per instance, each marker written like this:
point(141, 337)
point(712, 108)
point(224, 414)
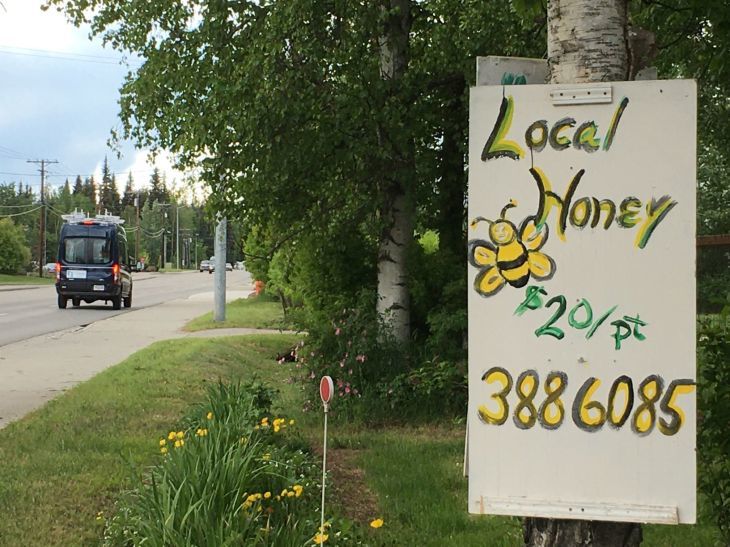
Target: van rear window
point(87, 250)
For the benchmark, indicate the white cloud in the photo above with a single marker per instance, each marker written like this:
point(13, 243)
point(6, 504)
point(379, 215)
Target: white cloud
point(25, 25)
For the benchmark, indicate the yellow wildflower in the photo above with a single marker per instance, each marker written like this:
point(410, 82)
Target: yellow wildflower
point(209, 415)
point(377, 523)
point(100, 515)
point(162, 442)
point(163, 450)
point(171, 435)
point(276, 428)
point(266, 457)
point(298, 489)
point(290, 494)
point(180, 435)
point(284, 493)
point(291, 422)
point(264, 422)
point(320, 538)
point(179, 443)
point(267, 495)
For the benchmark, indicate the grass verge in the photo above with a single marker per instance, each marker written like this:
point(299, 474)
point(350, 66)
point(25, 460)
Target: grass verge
point(261, 312)
point(415, 476)
point(6, 279)
point(67, 462)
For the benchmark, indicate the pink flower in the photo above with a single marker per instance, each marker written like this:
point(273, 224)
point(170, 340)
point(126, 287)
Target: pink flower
point(342, 364)
point(337, 331)
point(360, 358)
point(311, 375)
point(347, 389)
point(350, 371)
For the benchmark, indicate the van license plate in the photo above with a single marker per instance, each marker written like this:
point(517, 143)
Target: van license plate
point(98, 287)
point(76, 274)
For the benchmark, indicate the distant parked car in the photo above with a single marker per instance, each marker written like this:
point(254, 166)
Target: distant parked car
point(50, 267)
point(238, 265)
point(204, 265)
point(229, 267)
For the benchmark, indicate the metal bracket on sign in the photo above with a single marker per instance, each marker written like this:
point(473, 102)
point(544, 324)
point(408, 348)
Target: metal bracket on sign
point(581, 95)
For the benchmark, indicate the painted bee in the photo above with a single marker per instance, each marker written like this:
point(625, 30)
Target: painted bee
point(512, 256)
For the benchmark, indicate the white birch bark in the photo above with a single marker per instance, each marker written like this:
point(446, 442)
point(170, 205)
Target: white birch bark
point(393, 294)
point(587, 41)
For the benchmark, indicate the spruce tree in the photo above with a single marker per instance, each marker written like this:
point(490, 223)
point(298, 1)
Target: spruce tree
point(129, 193)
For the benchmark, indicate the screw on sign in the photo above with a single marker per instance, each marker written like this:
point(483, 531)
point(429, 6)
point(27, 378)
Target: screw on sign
point(326, 390)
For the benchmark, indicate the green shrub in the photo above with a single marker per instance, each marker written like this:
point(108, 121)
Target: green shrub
point(14, 254)
point(355, 350)
point(714, 417)
point(434, 389)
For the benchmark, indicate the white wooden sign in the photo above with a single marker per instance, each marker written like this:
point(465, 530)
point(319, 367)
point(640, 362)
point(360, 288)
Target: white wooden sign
point(582, 301)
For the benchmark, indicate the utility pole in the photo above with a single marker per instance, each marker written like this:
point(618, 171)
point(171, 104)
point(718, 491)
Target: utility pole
point(136, 246)
point(219, 283)
point(177, 235)
point(42, 240)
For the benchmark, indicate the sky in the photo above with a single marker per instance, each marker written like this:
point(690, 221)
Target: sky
point(59, 101)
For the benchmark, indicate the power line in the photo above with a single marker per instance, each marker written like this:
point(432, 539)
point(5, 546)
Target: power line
point(68, 56)
point(21, 213)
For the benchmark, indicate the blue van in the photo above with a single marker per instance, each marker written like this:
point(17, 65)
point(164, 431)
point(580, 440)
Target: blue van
point(93, 262)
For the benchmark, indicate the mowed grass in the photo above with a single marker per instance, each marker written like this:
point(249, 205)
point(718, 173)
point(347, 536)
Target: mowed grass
point(417, 476)
point(259, 312)
point(68, 461)
point(47, 279)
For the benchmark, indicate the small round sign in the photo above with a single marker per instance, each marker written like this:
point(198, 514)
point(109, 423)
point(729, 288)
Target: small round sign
point(326, 389)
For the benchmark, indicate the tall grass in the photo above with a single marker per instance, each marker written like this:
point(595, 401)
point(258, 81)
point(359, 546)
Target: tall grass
point(232, 476)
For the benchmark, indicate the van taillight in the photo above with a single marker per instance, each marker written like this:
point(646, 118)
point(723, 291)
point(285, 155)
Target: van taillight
point(115, 271)
point(58, 271)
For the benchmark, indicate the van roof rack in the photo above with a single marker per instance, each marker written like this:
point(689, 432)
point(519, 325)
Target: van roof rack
point(79, 217)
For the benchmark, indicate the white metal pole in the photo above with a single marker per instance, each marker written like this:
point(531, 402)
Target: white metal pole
point(324, 469)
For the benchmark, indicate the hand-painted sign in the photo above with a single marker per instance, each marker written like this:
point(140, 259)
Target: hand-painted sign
point(582, 301)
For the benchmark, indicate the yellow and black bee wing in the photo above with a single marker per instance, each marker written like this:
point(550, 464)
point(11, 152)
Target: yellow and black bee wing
point(483, 256)
point(532, 236)
point(541, 265)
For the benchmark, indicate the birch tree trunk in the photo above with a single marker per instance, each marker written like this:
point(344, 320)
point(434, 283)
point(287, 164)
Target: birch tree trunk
point(398, 212)
point(588, 41)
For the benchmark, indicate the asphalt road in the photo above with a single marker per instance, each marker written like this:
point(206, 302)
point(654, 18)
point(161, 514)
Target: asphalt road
point(32, 311)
